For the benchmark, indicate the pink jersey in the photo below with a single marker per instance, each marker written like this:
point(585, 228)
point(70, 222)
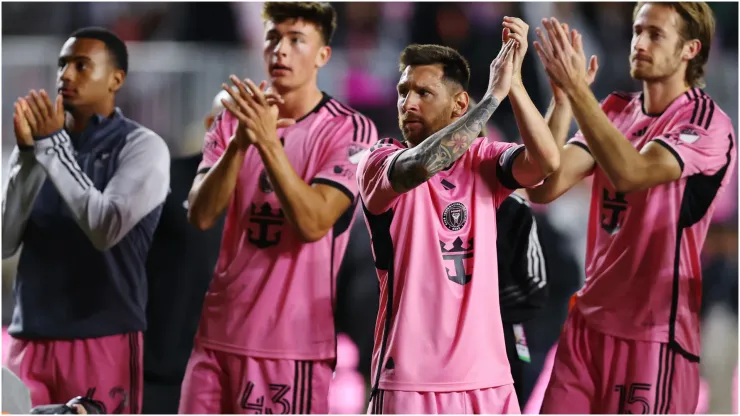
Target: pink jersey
point(643, 269)
point(272, 295)
point(439, 324)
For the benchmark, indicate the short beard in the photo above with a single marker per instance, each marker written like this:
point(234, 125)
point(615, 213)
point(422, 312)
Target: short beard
point(665, 75)
point(412, 140)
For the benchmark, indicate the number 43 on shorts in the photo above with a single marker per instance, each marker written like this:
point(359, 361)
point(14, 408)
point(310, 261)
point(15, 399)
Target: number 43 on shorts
point(280, 404)
point(633, 398)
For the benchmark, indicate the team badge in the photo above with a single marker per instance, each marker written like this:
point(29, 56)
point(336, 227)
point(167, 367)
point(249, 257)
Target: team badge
point(455, 216)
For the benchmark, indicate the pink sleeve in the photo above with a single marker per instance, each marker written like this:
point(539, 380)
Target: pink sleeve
point(700, 147)
point(613, 103)
point(214, 143)
point(579, 141)
point(373, 176)
point(349, 142)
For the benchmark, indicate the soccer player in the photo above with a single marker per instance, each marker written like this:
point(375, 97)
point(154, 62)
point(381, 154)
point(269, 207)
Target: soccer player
point(430, 204)
point(266, 339)
point(658, 160)
point(179, 270)
point(84, 197)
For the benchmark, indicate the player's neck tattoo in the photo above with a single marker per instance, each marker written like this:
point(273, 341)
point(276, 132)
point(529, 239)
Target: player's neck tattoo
point(418, 164)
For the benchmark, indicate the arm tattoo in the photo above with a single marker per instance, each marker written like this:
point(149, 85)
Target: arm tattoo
point(416, 166)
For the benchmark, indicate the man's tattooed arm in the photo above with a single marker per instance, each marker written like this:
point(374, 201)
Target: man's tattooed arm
point(417, 165)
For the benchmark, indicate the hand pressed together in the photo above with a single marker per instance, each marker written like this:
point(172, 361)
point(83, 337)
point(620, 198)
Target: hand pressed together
point(256, 109)
point(36, 116)
point(562, 56)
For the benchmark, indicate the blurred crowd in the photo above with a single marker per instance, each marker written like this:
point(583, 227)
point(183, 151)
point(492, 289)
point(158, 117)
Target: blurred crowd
point(371, 35)
point(204, 42)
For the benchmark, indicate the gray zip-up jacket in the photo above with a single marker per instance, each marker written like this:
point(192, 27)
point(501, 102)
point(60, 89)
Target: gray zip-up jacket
point(85, 213)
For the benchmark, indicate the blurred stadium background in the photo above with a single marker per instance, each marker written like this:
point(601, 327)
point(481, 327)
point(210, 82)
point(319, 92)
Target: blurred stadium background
point(181, 52)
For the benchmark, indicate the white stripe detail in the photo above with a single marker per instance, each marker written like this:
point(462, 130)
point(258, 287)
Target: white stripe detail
point(536, 258)
point(72, 167)
point(519, 198)
point(59, 141)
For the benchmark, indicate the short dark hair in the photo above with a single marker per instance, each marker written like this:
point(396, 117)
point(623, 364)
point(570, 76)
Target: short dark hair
point(322, 15)
point(116, 47)
point(454, 65)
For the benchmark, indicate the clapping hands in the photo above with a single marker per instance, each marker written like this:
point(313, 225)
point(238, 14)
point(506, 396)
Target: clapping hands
point(256, 108)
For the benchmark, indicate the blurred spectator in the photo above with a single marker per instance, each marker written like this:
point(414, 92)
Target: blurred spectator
point(248, 15)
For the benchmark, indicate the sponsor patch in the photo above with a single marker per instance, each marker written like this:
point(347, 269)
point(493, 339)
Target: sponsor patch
point(688, 135)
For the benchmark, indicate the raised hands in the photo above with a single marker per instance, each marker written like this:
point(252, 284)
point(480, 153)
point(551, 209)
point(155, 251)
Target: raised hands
point(256, 109)
point(502, 69)
point(516, 29)
point(36, 116)
point(562, 56)
point(23, 134)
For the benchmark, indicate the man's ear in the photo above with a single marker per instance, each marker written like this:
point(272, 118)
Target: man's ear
point(691, 49)
point(116, 80)
point(461, 104)
point(322, 58)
